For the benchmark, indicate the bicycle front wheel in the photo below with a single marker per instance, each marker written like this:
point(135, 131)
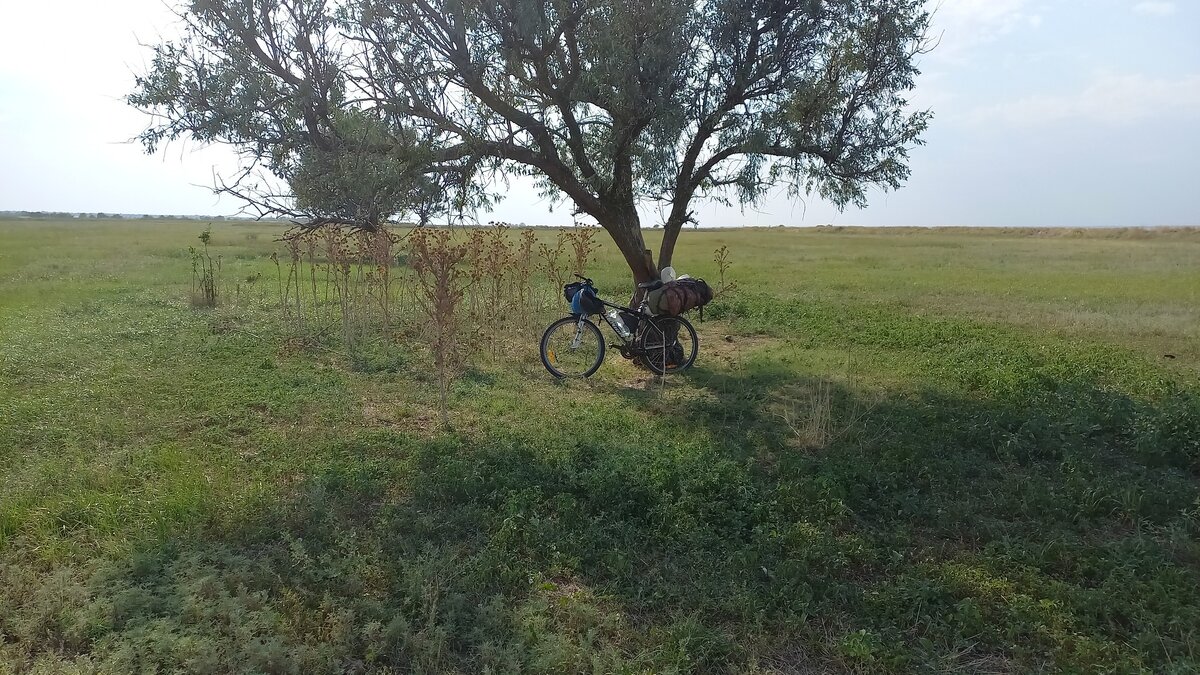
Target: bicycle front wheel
point(668, 344)
point(572, 347)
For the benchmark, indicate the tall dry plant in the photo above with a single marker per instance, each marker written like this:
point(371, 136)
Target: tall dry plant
point(339, 281)
point(476, 245)
point(496, 262)
point(205, 272)
point(293, 307)
point(551, 258)
point(343, 283)
point(816, 419)
point(721, 258)
point(379, 251)
point(279, 277)
point(810, 417)
point(345, 288)
point(332, 241)
point(582, 239)
point(309, 239)
point(437, 262)
point(521, 291)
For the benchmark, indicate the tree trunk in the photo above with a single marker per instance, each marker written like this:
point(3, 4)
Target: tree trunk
point(675, 222)
point(667, 251)
point(626, 232)
point(627, 235)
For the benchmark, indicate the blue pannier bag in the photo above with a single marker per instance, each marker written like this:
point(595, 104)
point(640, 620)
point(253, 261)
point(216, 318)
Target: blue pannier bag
point(583, 299)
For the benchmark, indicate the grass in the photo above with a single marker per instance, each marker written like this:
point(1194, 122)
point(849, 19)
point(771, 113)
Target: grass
point(937, 451)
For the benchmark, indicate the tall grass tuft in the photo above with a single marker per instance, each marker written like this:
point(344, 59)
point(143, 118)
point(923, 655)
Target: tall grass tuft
point(815, 417)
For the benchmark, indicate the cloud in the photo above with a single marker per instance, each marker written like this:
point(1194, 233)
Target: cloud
point(965, 24)
point(1111, 100)
point(1155, 8)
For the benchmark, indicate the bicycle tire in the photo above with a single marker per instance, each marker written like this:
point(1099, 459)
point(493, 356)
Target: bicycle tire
point(653, 346)
point(550, 359)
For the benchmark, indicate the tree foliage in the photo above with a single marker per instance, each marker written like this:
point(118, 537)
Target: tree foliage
point(367, 108)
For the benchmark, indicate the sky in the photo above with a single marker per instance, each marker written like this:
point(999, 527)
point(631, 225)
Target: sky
point(1046, 113)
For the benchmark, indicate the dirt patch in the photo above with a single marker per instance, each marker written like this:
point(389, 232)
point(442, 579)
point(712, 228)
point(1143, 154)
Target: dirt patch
point(721, 345)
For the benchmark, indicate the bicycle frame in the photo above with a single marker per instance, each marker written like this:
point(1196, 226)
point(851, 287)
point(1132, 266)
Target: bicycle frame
point(641, 314)
point(627, 345)
point(652, 336)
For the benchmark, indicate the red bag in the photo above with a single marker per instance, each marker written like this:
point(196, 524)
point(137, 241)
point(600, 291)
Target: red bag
point(676, 297)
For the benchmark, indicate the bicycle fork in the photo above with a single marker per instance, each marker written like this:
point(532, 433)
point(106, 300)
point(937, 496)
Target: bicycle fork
point(578, 333)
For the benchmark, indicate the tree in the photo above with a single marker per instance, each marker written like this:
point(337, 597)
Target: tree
point(609, 103)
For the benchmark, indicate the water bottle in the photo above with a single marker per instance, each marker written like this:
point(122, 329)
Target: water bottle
point(618, 324)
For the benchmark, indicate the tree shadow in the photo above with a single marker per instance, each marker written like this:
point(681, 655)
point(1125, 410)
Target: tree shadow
point(1045, 531)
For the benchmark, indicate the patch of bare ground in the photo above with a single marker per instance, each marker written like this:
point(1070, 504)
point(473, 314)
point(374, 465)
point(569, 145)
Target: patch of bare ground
point(797, 660)
point(400, 414)
point(722, 345)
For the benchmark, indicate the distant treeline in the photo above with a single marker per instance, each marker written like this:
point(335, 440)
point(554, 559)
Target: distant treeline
point(61, 215)
point(100, 215)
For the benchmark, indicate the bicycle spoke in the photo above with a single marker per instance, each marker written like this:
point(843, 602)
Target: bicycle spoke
point(669, 345)
point(572, 348)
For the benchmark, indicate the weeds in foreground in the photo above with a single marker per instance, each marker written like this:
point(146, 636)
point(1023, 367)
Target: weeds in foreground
point(528, 306)
point(339, 282)
point(353, 292)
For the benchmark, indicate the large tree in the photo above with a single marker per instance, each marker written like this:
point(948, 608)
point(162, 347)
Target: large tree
point(368, 108)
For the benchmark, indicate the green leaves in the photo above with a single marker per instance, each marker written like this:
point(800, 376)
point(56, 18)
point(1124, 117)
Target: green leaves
point(610, 101)
point(368, 176)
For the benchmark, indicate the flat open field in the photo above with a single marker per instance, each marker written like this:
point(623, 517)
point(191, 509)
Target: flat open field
point(899, 451)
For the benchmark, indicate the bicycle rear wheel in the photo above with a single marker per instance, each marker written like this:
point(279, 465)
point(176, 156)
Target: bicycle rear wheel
point(668, 344)
point(572, 347)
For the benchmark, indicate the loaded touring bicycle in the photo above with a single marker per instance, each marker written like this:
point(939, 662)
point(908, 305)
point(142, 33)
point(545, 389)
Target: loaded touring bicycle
point(654, 335)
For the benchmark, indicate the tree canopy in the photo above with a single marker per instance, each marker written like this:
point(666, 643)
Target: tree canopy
point(370, 108)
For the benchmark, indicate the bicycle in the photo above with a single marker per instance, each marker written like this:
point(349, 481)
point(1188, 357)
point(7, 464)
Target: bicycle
point(573, 346)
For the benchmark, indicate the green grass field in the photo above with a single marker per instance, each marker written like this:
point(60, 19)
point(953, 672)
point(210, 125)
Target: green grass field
point(899, 451)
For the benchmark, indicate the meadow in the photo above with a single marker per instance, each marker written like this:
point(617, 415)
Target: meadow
point(899, 451)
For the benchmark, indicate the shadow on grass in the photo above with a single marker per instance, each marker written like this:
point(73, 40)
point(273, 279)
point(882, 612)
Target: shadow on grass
point(1056, 530)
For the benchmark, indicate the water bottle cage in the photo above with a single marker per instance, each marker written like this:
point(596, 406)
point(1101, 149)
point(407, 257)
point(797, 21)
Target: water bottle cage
point(617, 322)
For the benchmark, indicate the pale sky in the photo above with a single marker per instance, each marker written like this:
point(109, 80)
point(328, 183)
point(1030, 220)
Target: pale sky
point(1047, 113)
